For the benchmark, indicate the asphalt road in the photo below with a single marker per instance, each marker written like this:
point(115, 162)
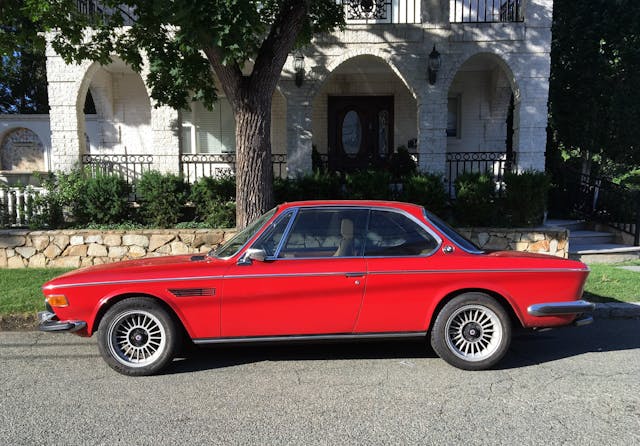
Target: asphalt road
point(568, 386)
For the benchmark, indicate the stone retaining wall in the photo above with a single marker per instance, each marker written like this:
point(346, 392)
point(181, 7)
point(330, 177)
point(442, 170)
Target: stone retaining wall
point(76, 248)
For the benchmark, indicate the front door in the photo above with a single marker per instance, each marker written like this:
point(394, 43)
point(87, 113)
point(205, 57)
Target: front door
point(360, 131)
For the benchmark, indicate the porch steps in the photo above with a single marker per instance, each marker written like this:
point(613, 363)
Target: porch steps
point(594, 246)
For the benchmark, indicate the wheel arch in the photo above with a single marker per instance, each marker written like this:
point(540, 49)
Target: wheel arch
point(503, 301)
point(108, 304)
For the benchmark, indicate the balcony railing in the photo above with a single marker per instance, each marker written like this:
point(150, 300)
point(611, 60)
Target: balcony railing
point(196, 166)
point(381, 11)
point(485, 11)
point(493, 163)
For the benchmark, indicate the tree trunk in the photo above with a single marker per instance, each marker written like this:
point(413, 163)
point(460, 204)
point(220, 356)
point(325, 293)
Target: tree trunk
point(254, 172)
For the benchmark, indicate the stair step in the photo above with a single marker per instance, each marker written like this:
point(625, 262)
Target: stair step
point(590, 237)
point(601, 248)
point(571, 225)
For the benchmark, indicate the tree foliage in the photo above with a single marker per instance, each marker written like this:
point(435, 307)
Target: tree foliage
point(595, 73)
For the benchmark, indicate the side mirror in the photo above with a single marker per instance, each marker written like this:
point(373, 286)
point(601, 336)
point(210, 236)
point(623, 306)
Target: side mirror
point(259, 255)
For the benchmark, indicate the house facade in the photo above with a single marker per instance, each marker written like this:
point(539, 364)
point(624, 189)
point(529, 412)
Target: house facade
point(461, 84)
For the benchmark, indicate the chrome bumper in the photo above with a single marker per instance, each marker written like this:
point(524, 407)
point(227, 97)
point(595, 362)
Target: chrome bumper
point(560, 308)
point(49, 322)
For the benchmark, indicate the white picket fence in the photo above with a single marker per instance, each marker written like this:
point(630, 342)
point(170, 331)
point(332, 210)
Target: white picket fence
point(16, 205)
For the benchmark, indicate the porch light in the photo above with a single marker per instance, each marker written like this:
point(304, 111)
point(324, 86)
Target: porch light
point(298, 67)
point(434, 65)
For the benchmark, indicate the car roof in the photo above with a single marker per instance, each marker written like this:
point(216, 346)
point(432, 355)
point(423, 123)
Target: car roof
point(358, 203)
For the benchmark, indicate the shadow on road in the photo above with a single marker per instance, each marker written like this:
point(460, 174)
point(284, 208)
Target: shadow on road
point(528, 348)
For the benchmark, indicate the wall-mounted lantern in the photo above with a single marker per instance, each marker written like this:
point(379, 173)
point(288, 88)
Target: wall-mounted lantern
point(298, 67)
point(434, 65)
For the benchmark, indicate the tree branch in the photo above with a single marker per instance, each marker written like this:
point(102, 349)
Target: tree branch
point(230, 76)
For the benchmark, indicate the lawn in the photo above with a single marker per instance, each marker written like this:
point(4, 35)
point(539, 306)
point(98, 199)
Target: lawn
point(20, 288)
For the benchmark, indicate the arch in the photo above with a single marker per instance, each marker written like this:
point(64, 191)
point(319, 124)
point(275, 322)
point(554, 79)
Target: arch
point(22, 150)
point(461, 60)
point(335, 63)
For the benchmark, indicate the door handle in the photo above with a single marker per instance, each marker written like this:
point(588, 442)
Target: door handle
point(354, 274)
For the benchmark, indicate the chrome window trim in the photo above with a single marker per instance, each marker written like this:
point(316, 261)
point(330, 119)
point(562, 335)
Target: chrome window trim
point(250, 240)
point(474, 251)
point(426, 227)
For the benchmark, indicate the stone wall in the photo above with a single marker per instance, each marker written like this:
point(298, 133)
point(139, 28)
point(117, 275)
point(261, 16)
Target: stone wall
point(73, 249)
point(76, 248)
point(554, 241)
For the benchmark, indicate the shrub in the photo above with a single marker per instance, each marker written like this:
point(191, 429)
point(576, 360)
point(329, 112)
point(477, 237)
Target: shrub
point(426, 190)
point(62, 198)
point(316, 186)
point(475, 200)
point(368, 185)
point(401, 165)
point(525, 197)
point(104, 200)
point(630, 180)
point(161, 197)
point(214, 201)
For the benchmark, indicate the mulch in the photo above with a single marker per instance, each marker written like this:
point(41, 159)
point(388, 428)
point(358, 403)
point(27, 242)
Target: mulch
point(19, 322)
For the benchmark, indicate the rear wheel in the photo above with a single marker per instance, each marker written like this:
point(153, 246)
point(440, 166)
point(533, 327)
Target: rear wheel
point(471, 332)
point(138, 337)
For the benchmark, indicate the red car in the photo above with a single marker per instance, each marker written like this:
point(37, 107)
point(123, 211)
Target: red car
point(321, 270)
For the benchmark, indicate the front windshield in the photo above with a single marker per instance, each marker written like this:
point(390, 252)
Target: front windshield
point(452, 234)
point(232, 247)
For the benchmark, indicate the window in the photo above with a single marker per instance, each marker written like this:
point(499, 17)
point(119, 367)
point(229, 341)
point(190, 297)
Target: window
point(205, 131)
point(394, 234)
point(453, 117)
point(270, 240)
point(326, 233)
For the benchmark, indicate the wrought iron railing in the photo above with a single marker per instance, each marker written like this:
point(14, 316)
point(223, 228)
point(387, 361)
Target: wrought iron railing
point(128, 167)
point(485, 11)
point(195, 166)
point(90, 7)
point(493, 163)
point(381, 11)
point(597, 199)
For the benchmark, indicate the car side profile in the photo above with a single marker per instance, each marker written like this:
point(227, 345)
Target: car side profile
point(321, 270)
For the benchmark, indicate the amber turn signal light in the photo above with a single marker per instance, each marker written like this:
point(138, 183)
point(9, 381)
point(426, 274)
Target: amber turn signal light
point(57, 300)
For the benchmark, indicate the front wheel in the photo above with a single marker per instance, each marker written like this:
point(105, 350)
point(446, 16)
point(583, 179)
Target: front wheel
point(471, 332)
point(138, 337)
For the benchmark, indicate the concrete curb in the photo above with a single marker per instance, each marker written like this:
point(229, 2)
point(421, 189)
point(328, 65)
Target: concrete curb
point(617, 310)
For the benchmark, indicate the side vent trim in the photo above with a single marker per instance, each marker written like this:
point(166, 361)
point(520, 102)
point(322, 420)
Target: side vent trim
point(192, 292)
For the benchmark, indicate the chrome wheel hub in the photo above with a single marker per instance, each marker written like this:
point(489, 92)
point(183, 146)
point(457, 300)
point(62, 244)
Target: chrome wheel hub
point(473, 332)
point(136, 338)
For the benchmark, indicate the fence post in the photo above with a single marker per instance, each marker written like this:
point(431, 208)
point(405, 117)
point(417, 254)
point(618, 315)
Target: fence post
point(636, 235)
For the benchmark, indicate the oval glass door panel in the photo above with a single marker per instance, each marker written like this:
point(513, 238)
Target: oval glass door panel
point(351, 133)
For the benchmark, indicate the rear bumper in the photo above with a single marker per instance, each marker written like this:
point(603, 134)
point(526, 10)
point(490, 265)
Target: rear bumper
point(577, 307)
point(49, 322)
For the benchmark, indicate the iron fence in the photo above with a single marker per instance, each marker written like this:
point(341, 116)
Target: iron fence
point(485, 11)
point(17, 205)
point(195, 166)
point(493, 163)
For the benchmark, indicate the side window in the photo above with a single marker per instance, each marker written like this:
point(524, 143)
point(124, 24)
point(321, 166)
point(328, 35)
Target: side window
point(270, 239)
point(326, 233)
point(394, 234)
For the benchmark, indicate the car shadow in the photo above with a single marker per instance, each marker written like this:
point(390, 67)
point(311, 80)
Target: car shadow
point(527, 348)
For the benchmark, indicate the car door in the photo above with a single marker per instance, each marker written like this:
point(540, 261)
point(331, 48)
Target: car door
point(312, 281)
point(398, 252)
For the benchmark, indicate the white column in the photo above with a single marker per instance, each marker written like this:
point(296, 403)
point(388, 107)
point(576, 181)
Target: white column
point(432, 125)
point(299, 131)
point(165, 128)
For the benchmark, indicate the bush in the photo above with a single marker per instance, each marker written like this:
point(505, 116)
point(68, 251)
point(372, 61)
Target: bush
point(214, 201)
point(475, 200)
point(161, 197)
point(426, 190)
point(62, 197)
point(368, 185)
point(526, 197)
point(630, 180)
point(401, 165)
point(104, 200)
point(316, 186)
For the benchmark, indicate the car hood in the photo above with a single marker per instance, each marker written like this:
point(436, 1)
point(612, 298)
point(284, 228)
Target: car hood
point(182, 266)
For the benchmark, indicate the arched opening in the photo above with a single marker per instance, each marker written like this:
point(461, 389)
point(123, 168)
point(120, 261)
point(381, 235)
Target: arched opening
point(361, 115)
point(22, 151)
point(480, 119)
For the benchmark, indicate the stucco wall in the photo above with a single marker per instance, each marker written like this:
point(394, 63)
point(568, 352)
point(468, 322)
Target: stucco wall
point(73, 249)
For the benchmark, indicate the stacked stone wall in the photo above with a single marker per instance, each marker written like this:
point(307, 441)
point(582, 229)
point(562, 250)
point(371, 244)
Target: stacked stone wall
point(74, 249)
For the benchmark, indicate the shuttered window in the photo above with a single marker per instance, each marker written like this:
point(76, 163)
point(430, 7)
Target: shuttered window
point(209, 131)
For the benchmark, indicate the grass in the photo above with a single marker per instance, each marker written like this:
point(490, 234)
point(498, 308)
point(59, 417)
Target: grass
point(609, 283)
point(20, 288)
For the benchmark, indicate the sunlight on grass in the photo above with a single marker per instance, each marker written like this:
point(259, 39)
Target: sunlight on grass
point(20, 289)
point(610, 283)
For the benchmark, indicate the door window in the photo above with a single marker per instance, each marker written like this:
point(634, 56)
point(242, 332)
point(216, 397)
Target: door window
point(351, 133)
point(395, 234)
point(326, 233)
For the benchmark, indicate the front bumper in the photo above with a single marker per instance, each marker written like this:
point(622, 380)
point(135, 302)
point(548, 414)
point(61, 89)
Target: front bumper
point(49, 322)
point(576, 307)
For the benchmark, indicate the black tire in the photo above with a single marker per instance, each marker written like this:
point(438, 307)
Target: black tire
point(471, 332)
point(138, 337)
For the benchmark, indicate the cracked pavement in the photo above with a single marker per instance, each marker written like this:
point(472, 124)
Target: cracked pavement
point(565, 386)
